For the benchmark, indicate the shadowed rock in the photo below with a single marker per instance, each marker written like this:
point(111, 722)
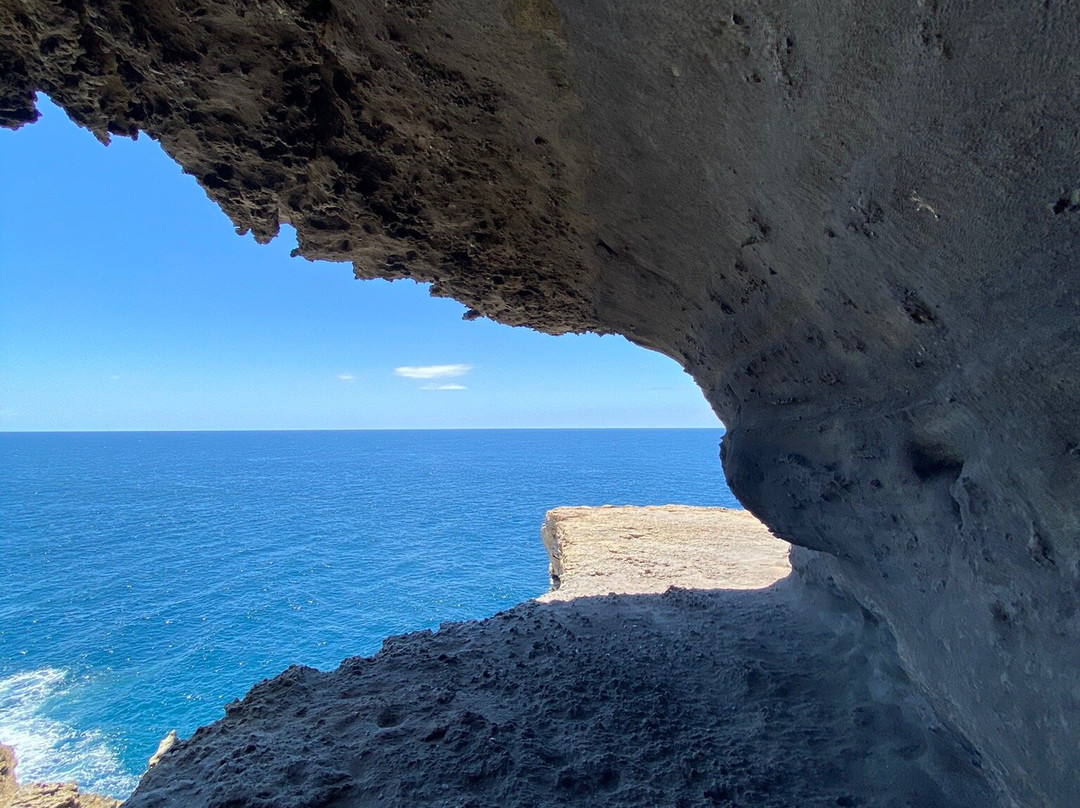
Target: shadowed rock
point(780, 696)
point(687, 699)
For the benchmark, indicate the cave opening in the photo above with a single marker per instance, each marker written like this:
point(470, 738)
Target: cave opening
point(154, 347)
point(853, 224)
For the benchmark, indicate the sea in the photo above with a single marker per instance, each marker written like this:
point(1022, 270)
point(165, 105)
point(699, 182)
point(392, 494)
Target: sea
point(148, 579)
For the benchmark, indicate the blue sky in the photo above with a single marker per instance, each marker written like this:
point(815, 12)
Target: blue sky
point(127, 301)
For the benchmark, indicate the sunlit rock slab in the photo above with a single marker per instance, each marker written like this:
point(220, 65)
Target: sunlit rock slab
point(638, 550)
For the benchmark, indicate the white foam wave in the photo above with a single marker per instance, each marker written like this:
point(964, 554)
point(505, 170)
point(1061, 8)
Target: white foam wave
point(51, 750)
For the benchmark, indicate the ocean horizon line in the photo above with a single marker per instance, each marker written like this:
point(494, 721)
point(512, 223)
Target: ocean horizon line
point(719, 427)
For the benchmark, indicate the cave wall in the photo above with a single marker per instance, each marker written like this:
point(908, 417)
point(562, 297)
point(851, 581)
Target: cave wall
point(854, 224)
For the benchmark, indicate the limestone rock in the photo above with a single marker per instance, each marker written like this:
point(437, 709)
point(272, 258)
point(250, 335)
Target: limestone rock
point(43, 795)
point(167, 743)
point(58, 795)
point(636, 551)
point(8, 784)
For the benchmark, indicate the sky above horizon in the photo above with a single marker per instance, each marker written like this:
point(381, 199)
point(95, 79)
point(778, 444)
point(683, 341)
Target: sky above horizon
point(128, 302)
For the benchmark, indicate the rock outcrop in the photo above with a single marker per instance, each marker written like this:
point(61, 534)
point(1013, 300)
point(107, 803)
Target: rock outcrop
point(8, 784)
point(166, 743)
point(855, 224)
point(640, 551)
point(773, 697)
point(43, 795)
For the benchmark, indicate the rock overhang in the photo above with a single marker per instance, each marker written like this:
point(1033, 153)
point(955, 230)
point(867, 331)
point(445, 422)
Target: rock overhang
point(853, 224)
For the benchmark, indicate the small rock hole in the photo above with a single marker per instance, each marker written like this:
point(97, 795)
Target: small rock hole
point(931, 461)
point(318, 11)
point(387, 717)
point(999, 612)
point(437, 734)
point(1068, 203)
point(1040, 550)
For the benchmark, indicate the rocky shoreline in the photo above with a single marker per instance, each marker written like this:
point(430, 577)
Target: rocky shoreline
point(735, 692)
point(42, 795)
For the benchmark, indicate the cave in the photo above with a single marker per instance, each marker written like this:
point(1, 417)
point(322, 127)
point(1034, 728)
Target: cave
point(854, 224)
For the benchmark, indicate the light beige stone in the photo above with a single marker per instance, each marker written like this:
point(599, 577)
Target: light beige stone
point(640, 550)
point(43, 795)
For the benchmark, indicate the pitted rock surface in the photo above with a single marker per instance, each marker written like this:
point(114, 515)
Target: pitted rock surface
point(385, 132)
point(687, 699)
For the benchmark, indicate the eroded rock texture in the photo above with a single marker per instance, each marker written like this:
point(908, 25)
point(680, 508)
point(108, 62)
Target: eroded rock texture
point(855, 224)
point(688, 699)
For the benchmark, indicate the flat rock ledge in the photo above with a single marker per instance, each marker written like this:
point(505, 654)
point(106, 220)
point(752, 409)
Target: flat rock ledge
point(42, 795)
point(640, 550)
point(719, 695)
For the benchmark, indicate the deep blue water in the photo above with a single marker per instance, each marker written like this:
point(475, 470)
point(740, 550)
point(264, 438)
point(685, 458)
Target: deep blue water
point(150, 578)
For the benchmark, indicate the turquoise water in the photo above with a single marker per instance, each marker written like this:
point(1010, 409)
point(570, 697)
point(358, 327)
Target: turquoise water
point(151, 578)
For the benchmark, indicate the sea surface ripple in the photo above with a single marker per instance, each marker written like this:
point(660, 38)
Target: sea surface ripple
point(151, 578)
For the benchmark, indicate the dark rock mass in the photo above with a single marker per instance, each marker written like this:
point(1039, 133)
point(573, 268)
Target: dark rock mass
point(854, 224)
point(689, 699)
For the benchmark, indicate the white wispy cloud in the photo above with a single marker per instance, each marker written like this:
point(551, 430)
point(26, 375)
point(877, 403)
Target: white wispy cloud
point(444, 387)
point(346, 377)
point(431, 371)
